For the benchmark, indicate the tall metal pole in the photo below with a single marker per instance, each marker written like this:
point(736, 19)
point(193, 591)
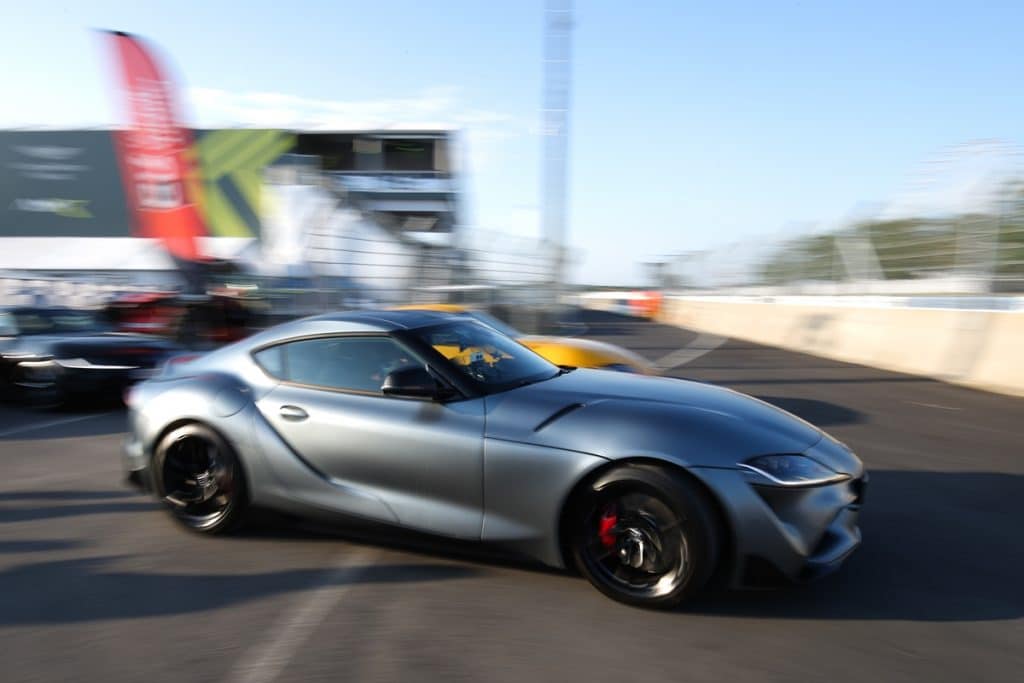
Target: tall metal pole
point(557, 81)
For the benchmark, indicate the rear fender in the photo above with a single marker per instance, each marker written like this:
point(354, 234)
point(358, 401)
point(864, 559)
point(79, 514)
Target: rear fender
point(216, 400)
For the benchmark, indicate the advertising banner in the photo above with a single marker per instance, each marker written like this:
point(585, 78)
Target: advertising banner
point(160, 176)
point(60, 184)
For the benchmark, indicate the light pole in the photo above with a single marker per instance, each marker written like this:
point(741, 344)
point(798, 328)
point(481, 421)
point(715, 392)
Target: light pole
point(558, 23)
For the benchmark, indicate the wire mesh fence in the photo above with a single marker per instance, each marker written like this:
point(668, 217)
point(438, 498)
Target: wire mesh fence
point(972, 253)
point(342, 270)
point(957, 226)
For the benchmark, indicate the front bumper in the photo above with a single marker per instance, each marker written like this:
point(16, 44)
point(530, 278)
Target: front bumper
point(135, 459)
point(786, 534)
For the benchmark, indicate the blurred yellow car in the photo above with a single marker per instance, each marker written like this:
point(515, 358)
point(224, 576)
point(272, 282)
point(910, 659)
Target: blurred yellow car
point(569, 351)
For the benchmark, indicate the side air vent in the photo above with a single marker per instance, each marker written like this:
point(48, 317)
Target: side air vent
point(558, 414)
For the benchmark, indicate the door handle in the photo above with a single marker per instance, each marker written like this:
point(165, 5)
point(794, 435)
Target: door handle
point(293, 413)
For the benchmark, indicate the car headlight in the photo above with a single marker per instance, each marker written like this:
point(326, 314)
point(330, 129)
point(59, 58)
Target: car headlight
point(792, 470)
point(37, 371)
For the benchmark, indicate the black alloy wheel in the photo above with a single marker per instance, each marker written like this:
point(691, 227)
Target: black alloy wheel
point(200, 480)
point(646, 537)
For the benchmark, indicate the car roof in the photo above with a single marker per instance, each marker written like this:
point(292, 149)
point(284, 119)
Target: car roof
point(386, 320)
point(341, 322)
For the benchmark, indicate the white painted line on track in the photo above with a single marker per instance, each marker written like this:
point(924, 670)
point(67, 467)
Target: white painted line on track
point(264, 662)
point(16, 485)
point(932, 405)
point(704, 343)
point(52, 423)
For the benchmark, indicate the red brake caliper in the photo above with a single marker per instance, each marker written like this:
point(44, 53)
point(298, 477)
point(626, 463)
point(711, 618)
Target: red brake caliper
point(606, 526)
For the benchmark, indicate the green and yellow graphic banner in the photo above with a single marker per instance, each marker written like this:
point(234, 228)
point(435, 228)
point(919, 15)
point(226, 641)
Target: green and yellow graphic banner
point(232, 164)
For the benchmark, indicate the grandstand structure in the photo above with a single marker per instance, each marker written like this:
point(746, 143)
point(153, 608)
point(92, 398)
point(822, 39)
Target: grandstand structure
point(371, 213)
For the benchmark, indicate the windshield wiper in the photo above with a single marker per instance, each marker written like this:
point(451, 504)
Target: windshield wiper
point(562, 370)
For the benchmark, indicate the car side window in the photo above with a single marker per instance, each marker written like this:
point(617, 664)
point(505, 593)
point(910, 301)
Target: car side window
point(347, 363)
point(272, 361)
point(7, 326)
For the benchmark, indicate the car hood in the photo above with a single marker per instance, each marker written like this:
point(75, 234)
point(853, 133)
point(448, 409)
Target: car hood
point(618, 415)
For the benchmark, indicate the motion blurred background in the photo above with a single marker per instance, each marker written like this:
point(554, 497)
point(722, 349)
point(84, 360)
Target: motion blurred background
point(819, 204)
point(516, 157)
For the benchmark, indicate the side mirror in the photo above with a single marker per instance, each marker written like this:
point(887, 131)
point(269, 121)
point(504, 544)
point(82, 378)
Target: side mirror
point(411, 382)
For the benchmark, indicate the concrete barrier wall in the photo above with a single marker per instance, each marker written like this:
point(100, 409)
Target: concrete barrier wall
point(978, 348)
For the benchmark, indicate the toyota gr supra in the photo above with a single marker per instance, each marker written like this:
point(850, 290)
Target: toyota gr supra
point(441, 424)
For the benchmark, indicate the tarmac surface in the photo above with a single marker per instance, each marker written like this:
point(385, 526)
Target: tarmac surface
point(97, 583)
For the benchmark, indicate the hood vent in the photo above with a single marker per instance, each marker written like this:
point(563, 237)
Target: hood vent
point(558, 414)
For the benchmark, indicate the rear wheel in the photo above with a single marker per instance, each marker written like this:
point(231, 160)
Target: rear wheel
point(199, 479)
point(645, 536)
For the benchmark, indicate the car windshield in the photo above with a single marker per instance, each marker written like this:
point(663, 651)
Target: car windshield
point(491, 321)
point(30, 321)
point(485, 355)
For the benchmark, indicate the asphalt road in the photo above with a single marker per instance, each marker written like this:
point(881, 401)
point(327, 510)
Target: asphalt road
point(97, 584)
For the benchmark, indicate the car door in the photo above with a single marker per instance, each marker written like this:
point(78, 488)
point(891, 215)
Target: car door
point(423, 459)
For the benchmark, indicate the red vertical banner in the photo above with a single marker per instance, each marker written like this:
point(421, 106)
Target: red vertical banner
point(154, 153)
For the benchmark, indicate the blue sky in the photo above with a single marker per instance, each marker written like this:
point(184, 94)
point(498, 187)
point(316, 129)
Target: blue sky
point(694, 125)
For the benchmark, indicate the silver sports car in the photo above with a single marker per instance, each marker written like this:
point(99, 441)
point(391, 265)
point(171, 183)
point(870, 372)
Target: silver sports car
point(437, 423)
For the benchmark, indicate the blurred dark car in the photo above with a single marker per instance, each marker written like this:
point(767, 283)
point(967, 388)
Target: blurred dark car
point(53, 356)
point(157, 313)
point(206, 320)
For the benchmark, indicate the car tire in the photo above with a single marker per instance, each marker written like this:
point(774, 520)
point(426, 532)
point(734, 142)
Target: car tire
point(199, 479)
point(645, 536)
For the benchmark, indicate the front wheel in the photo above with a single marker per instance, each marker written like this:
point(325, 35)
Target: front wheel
point(199, 479)
point(645, 536)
